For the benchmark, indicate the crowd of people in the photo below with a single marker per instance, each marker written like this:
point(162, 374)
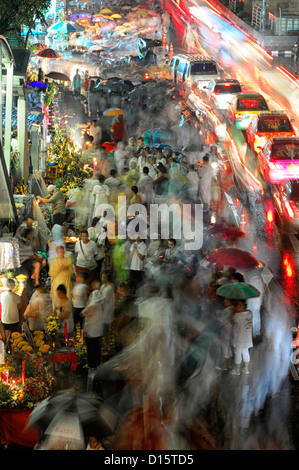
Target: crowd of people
point(87, 284)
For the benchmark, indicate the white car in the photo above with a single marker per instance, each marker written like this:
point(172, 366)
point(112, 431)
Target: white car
point(220, 92)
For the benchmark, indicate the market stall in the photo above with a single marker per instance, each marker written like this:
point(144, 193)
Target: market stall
point(27, 207)
point(28, 376)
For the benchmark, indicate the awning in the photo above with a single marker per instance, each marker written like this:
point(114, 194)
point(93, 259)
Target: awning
point(33, 117)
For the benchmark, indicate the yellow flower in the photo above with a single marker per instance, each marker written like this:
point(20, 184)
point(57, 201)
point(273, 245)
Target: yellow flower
point(16, 342)
point(16, 335)
point(44, 349)
point(38, 332)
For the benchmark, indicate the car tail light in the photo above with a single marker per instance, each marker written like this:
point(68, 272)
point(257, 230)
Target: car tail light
point(291, 209)
point(288, 266)
point(275, 166)
point(270, 216)
point(227, 85)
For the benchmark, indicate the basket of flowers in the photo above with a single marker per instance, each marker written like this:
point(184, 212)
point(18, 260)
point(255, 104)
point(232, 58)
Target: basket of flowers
point(20, 344)
point(52, 326)
point(39, 343)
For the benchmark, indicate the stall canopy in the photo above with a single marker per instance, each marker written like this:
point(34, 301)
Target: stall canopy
point(32, 118)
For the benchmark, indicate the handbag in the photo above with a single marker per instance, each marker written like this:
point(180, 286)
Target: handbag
point(82, 249)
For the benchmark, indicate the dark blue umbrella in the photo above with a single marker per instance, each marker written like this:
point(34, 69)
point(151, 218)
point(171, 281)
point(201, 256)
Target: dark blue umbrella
point(37, 84)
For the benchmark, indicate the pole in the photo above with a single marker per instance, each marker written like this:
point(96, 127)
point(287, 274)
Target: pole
point(263, 18)
point(8, 114)
point(23, 133)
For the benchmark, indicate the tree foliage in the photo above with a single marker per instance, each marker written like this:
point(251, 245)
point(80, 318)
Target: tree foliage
point(15, 13)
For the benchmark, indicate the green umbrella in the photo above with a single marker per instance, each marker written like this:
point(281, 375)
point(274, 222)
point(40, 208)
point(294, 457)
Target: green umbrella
point(238, 290)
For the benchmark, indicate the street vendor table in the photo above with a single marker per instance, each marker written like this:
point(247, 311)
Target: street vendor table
point(65, 356)
point(13, 428)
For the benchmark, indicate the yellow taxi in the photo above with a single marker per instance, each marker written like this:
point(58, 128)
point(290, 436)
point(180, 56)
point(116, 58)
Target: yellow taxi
point(244, 107)
point(266, 126)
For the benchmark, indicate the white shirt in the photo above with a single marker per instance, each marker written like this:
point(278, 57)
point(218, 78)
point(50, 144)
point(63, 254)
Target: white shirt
point(86, 254)
point(113, 183)
point(9, 307)
point(89, 186)
point(145, 185)
point(141, 162)
point(79, 295)
point(242, 330)
point(119, 157)
point(96, 133)
point(109, 302)
point(151, 170)
point(41, 303)
point(94, 315)
point(100, 194)
point(137, 264)
point(101, 240)
point(205, 174)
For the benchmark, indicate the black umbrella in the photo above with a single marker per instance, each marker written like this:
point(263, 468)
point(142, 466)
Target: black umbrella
point(93, 414)
point(58, 76)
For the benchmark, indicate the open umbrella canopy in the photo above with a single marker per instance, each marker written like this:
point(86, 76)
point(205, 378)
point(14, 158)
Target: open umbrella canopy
point(238, 290)
point(64, 433)
point(93, 414)
point(58, 76)
point(79, 27)
point(113, 112)
point(225, 231)
point(84, 19)
point(105, 11)
point(63, 27)
point(101, 19)
point(37, 84)
point(235, 257)
point(76, 16)
point(49, 54)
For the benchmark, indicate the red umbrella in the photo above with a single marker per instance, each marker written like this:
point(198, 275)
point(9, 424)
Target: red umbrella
point(235, 257)
point(109, 146)
point(225, 231)
point(85, 19)
point(38, 46)
point(49, 54)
